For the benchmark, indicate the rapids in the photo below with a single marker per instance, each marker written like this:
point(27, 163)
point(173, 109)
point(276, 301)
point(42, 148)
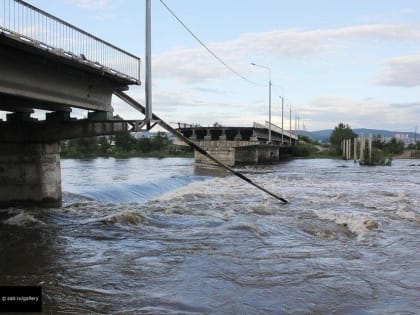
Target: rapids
point(156, 236)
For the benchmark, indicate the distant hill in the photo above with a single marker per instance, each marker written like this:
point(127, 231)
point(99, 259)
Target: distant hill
point(324, 135)
point(320, 135)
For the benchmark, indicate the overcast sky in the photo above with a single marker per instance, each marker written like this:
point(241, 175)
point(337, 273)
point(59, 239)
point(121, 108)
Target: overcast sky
point(356, 62)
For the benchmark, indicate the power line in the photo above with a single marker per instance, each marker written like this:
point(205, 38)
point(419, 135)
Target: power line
point(204, 45)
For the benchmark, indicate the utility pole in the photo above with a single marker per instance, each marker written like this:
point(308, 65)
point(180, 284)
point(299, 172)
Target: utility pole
point(298, 124)
point(269, 98)
point(148, 86)
point(282, 120)
point(290, 126)
point(269, 106)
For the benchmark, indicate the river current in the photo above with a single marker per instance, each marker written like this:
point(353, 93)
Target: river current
point(157, 236)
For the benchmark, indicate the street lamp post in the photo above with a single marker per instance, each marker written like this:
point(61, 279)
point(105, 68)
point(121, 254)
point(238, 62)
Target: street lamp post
point(290, 126)
point(148, 87)
point(282, 120)
point(269, 98)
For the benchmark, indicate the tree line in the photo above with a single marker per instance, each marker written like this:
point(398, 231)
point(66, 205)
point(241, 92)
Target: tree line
point(122, 144)
point(342, 132)
point(311, 148)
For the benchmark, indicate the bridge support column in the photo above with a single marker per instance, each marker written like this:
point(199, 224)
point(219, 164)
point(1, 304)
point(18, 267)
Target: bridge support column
point(30, 174)
point(207, 137)
point(254, 137)
point(222, 137)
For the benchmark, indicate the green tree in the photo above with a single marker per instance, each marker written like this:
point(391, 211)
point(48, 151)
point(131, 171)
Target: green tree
point(394, 146)
point(159, 142)
point(340, 133)
point(125, 141)
point(304, 149)
point(87, 146)
point(144, 145)
point(378, 142)
point(104, 145)
point(307, 139)
point(414, 146)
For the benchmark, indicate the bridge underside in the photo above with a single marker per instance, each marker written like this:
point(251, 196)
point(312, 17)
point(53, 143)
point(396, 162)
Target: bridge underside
point(257, 133)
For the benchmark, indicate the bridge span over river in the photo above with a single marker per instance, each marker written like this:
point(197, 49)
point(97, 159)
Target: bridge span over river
point(240, 145)
point(48, 64)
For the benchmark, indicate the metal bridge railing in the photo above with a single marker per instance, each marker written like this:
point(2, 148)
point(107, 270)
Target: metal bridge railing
point(29, 24)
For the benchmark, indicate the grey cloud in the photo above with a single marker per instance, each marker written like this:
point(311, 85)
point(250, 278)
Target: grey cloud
point(402, 71)
point(195, 65)
point(209, 90)
point(415, 105)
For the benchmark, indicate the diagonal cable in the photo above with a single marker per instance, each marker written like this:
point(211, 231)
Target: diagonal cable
point(204, 45)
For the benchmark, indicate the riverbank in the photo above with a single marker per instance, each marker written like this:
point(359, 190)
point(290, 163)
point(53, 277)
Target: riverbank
point(408, 154)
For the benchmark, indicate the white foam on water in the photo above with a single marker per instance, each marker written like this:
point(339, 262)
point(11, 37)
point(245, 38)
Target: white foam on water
point(125, 218)
point(408, 213)
point(247, 227)
point(403, 195)
point(182, 209)
point(22, 218)
point(359, 224)
point(203, 187)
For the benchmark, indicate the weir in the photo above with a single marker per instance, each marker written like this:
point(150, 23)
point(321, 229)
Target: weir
point(49, 64)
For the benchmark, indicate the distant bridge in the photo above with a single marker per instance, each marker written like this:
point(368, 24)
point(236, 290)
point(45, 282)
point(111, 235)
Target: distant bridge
point(256, 133)
point(240, 145)
point(47, 63)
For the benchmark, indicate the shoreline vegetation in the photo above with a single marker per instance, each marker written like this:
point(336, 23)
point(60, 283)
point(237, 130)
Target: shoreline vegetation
point(159, 145)
point(383, 152)
point(123, 145)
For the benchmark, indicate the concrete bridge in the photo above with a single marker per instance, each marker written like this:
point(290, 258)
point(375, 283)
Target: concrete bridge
point(48, 64)
point(240, 145)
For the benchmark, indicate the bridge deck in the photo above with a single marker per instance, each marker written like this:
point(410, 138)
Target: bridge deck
point(11, 40)
point(257, 133)
point(27, 24)
point(49, 64)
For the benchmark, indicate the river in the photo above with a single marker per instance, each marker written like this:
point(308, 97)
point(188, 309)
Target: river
point(156, 236)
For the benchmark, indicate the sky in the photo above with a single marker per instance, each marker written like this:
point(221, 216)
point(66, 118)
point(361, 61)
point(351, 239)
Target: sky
point(356, 62)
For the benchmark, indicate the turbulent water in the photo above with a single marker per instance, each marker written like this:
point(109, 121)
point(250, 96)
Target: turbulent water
point(149, 236)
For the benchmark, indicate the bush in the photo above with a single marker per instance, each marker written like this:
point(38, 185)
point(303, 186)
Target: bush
point(303, 150)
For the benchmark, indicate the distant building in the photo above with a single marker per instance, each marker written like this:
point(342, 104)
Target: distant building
point(403, 137)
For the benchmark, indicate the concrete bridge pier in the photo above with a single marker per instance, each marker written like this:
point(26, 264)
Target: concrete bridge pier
point(39, 72)
point(30, 169)
point(30, 174)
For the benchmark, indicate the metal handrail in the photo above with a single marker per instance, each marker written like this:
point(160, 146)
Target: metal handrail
point(18, 17)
